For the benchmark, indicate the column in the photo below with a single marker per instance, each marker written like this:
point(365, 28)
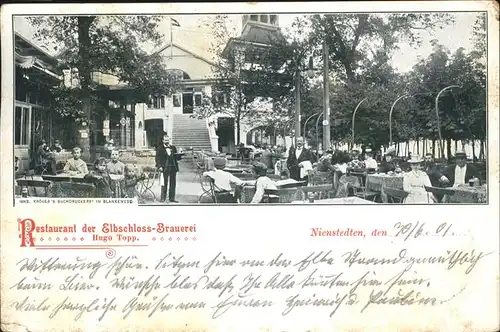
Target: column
point(122, 130)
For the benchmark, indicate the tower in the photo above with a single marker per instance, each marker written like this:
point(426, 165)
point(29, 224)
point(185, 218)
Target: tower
point(258, 31)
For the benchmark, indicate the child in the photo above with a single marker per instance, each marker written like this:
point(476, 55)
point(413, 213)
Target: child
point(100, 177)
point(130, 181)
point(115, 166)
point(75, 164)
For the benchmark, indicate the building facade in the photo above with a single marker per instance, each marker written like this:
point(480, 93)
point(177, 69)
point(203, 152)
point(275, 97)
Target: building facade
point(35, 74)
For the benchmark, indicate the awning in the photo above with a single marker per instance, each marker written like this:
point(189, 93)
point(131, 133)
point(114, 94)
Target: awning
point(29, 61)
point(25, 61)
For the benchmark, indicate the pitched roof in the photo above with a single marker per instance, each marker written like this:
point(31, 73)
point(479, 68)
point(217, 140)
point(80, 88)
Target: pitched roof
point(185, 50)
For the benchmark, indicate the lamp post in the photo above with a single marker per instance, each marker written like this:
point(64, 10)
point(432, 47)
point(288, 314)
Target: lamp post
point(317, 134)
point(326, 94)
point(297, 101)
point(309, 118)
point(353, 117)
point(390, 116)
point(326, 99)
point(310, 73)
point(441, 147)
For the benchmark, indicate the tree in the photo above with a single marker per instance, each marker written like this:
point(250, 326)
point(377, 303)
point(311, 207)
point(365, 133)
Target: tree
point(244, 77)
point(105, 44)
point(353, 39)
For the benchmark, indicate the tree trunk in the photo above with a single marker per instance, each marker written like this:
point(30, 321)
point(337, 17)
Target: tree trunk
point(481, 150)
point(418, 146)
point(84, 73)
point(434, 148)
point(448, 148)
point(473, 150)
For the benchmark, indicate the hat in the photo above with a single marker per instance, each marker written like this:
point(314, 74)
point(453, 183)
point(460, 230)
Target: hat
point(415, 159)
point(220, 162)
point(368, 150)
point(461, 154)
point(391, 151)
point(259, 168)
point(354, 151)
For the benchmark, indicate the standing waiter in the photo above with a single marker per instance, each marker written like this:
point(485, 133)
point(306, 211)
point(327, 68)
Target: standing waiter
point(166, 162)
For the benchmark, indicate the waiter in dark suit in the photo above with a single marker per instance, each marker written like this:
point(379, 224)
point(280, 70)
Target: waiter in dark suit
point(166, 162)
point(461, 172)
point(297, 155)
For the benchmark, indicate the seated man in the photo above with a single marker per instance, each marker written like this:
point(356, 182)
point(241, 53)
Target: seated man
point(370, 163)
point(44, 158)
point(57, 147)
point(223, 181)
point(430, 167)
point(460, 173)
point(75, 164)
point(265, 188)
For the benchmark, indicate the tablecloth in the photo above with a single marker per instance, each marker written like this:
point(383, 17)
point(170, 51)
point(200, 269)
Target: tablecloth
point(467, 194)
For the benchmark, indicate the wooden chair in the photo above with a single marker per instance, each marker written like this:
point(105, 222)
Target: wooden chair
point(395, 195)
point(440, 192)
point(362, 191)
point(289, 195)
point(270, 196)
point(25, 183)
point(145, 185)
point(323, 191)
point(207, 187)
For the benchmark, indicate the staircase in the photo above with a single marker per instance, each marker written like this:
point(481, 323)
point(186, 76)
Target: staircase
point(190, 132)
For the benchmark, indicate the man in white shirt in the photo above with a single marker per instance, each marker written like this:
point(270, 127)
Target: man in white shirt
point(296, 156)
point(370, 163)
point(222, 181)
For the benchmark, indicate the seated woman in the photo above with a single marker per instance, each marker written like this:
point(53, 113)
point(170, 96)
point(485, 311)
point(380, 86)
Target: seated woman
point(222, 181)
point(414, 182)
point(100, 177)
point(265, 188)
point(388, 166)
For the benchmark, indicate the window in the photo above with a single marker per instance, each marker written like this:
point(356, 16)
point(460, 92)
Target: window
point(254, 18)
point(177, 100)
point(264, 18)
point(22, 126)
point(220, 98)
point(274, 19)
point(197, 99)
point(156, 102)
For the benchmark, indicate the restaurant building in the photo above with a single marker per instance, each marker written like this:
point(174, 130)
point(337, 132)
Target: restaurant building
point(35, 74)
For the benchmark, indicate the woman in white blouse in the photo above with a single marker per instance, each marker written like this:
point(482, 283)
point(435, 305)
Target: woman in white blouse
point(414, 183)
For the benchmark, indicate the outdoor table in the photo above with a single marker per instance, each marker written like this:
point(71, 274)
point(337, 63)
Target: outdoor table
point(378, 182)
point(248, 190)
point(465, 194)
point(64, 177)
point(235, 170)
point(335, 201)
point(78, 178)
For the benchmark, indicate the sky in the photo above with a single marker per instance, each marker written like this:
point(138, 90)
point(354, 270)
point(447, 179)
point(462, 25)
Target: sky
point(194, 35)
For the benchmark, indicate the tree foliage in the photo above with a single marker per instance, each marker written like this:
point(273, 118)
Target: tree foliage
point(247, 77)
point(106, 44)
